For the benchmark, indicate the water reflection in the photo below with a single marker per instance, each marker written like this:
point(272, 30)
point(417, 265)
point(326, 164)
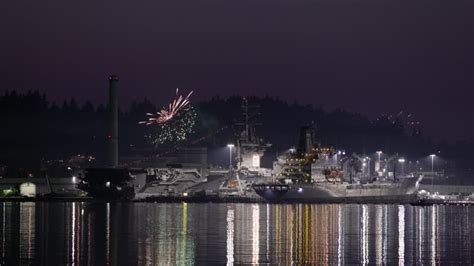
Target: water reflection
point(365, 235)
point(145, 233)
point(230, 236)
point(255, 233)
point(401, 235)
point(27, 230)
point(434, 210)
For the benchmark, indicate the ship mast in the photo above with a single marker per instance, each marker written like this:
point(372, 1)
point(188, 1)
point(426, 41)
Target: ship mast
point(250, 148)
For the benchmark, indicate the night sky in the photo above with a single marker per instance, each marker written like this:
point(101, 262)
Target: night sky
point(368, 56)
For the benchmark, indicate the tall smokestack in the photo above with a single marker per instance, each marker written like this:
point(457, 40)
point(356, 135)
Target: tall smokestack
point(113, 121)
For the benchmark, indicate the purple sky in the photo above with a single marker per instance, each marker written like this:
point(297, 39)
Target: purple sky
point(369, 56)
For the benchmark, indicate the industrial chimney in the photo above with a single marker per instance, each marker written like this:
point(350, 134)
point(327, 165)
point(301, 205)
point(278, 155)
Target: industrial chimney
point(113, 122)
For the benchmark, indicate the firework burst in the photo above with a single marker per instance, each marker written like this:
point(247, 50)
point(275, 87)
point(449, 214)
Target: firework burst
point(167, 114)
point(176, 130)
point(175, 123)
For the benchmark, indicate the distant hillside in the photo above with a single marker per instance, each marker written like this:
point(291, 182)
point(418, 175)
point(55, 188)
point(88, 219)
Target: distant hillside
point(35, 128)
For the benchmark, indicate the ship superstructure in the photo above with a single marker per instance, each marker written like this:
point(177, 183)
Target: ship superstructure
point(249, 151)
point(250, 148)
point(311, 173)
point(309, 162)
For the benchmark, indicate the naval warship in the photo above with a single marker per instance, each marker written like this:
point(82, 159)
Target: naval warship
point(323, 175)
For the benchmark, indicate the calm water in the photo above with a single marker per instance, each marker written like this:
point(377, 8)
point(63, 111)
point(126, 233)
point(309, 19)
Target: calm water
point(150, 233)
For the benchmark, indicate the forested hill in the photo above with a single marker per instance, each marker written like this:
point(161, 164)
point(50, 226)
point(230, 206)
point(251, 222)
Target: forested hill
point(34, 128)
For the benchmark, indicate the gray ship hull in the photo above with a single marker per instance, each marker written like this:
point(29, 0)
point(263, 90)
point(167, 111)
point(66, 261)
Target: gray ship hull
point(402, 192)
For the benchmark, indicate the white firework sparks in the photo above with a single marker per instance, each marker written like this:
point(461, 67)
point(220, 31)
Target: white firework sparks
point(177, 130)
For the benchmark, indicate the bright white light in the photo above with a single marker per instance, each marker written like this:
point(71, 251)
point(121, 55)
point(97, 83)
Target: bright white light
point(185, 194)
point(432, 155)
point(401, 160)
point(73, 179)
point(107, 184)
point(256, 160)
point(300, 189)
point(230, 146)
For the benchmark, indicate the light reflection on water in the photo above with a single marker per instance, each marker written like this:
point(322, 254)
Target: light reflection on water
point(150, 233)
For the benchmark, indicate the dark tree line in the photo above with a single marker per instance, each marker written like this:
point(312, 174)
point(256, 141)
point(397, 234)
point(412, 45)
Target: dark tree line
point(34, 129)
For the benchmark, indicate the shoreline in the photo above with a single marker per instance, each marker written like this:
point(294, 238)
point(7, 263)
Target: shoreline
point(166, 199)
